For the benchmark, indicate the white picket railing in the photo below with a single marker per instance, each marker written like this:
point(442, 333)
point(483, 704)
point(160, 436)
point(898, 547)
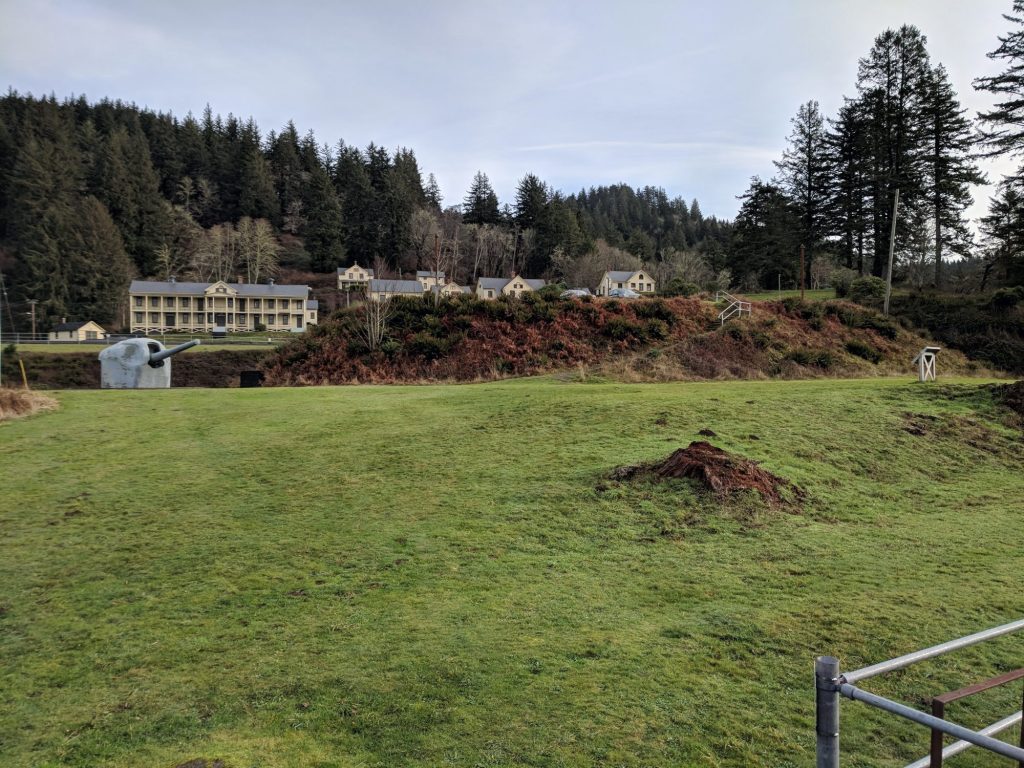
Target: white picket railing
point(735, 307)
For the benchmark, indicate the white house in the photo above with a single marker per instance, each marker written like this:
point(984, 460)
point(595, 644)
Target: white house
point(639, 281)
point(354, 277)
point(87, 331)
point(385, 289)
point(493, 287)
point(429, 279)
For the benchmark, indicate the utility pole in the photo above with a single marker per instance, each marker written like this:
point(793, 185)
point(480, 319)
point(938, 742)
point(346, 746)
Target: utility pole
point(801, 273)
point(32, 304)
point(892, 251)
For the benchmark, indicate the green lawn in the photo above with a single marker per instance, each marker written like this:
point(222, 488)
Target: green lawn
point(810, 295)
point(442, 575)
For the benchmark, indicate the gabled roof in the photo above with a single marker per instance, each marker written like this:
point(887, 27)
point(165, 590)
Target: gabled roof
point(367, 270)
point(494, 283)
point(619, 276)
point(428, 273)
point(70, 326)
point(312, 304)
point(258, 290)
point(535, 282)
point(396, 286)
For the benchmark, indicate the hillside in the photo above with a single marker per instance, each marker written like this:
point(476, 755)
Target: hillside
point(465, 339)
point(447, 576)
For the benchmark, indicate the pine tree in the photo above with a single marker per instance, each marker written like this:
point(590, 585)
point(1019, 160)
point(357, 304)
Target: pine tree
point(531, 197)
point(257, 196)
point(765, 246)
point(480, 205)
point(949, 167)
point(806, 173)
point(95, 256)
point(432, 193)
point(324, 231)
point(1004, 134)
point(891, 82)
point(850, 204)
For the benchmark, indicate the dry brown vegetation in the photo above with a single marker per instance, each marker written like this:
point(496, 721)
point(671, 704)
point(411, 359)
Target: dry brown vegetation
point(15, 403)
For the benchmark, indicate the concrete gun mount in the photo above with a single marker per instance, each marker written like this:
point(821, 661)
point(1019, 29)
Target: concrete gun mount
point(138, 364)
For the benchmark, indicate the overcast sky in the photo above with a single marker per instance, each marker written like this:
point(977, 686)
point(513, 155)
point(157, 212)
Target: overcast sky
point(691, 96)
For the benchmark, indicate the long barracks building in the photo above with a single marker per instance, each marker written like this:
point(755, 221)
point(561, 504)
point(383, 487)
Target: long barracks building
point(157, 306)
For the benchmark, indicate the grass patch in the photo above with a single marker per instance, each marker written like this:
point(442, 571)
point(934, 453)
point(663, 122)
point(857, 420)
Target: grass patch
point(434, 576)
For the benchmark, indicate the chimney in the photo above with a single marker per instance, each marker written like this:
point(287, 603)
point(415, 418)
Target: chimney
point(240, 279)
point(63, 320)
point(174, 278)
point(270, 281)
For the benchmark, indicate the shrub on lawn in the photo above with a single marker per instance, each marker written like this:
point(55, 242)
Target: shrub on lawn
point(866, 289)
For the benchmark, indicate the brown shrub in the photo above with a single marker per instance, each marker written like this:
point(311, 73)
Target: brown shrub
point(15, 403)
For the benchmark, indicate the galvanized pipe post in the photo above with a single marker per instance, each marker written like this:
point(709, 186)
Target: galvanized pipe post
point(826, 671)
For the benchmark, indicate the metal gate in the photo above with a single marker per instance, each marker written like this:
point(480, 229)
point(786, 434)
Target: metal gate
point(830, 684)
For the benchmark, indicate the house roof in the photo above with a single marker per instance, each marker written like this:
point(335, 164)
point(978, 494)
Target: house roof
point(396, 286)
point(619, 276)
point(242, 289)
point(494, 283)
point(70, 326)
point(428, 273)
point(312, 304)
point(367, 270)
point(535, 282)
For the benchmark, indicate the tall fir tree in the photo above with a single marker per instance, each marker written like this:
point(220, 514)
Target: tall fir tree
point(949, 167)
point(805, 172)
point(480, 205)
point(1003, 132)
point(850, 204)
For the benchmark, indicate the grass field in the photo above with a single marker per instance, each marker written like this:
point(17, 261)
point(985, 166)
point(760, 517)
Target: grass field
point(206, 346)
point(810, 295)
point(444, 576)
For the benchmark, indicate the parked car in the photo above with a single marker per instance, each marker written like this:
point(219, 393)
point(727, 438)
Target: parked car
point(575, 293)
point(623, 293)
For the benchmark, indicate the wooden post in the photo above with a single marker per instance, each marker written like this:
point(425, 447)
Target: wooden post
point(892, 250)
point(801, 273)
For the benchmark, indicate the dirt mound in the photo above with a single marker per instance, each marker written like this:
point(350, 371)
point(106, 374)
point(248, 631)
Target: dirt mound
point(715, 469)
point(1012, 396)
point(15, 403)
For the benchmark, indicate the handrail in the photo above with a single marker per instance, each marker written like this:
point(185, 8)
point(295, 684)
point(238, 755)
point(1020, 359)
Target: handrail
point(961, 746)
point(930, 653)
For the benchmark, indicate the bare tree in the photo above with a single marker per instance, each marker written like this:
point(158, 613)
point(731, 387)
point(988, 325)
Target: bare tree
point(376, 316)
point(170, 262)
point(258, 248)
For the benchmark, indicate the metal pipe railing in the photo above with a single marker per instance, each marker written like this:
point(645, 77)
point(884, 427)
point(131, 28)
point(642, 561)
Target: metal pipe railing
point(937, 723)
point(829, 684)
point(960, 746)
point(929, 653)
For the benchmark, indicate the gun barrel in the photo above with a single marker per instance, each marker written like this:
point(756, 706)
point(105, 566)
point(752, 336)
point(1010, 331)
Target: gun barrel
point(156, 357)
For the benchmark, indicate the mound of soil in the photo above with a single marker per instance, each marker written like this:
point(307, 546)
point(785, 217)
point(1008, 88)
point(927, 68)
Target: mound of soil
point(715, 469)
point(1012, 396)
point(15, 403)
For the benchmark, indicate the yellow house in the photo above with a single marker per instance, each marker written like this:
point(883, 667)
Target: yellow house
point(353, 277)
point(87, 331)
point(493, 287)
point(429, 279)
point(159, 307)
point(451, 289)
point(639, 281)
point(389, 289)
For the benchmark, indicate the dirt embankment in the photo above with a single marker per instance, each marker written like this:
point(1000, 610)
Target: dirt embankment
point(465, 339)
point(81, 370)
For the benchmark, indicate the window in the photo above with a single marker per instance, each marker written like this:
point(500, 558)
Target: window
point(138, 301)
point(231, 317)
point(650, 287)
point(270, 303)
point(199, 305)
point(241, 305)
point(255, 303)
point(231, 303)
point(632, 285)
point(209, 317)
point(490, 294)
point(185, 301)
point(90, 336)
point(268, 320)
point(283, 320)
point(154, 301)
point(168, 301)
point(154, 317)
point(620, 285)
point(139, 316)
point(185, 317)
